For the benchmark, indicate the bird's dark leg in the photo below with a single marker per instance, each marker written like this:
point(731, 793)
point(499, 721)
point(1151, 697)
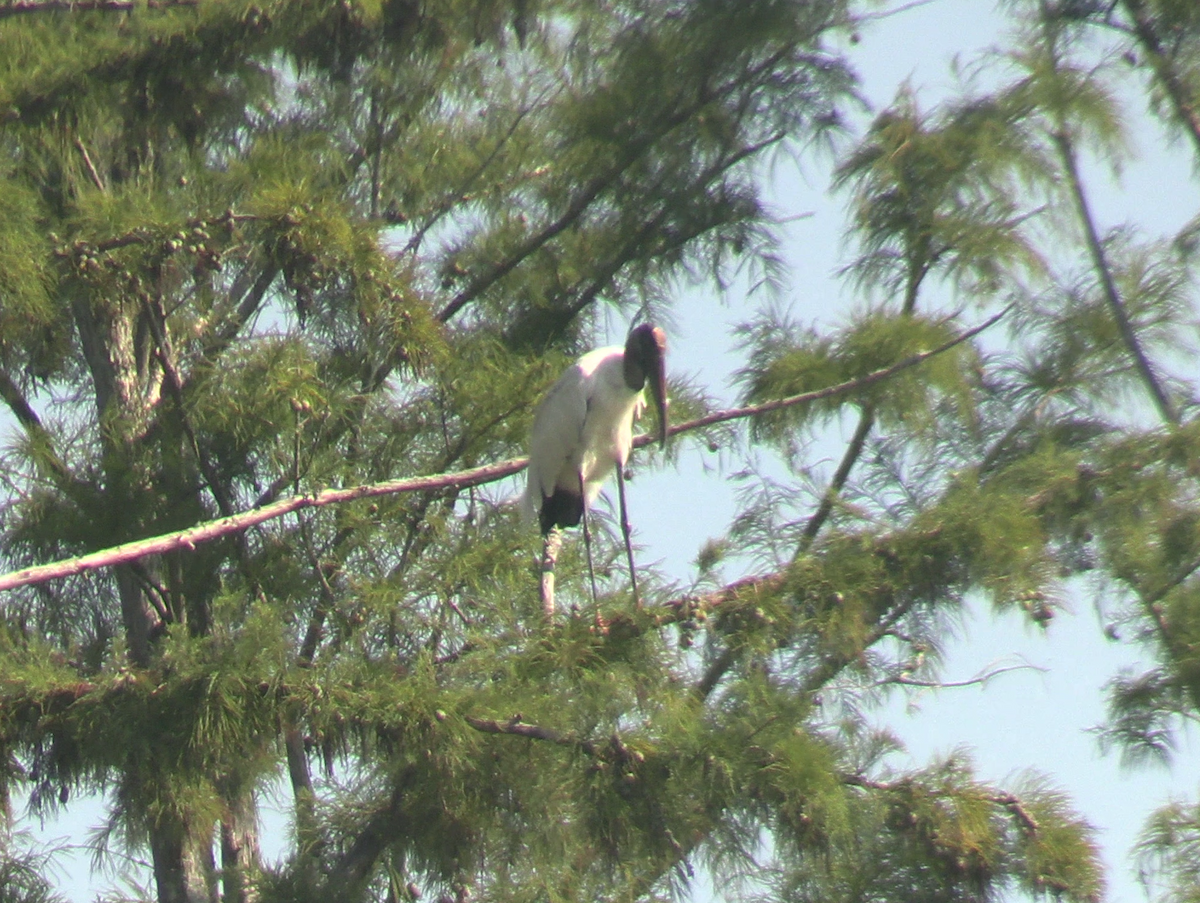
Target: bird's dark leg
point(637, 602)
point(587, 538)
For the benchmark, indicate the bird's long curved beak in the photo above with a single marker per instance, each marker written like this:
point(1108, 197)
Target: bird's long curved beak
point(657, 378)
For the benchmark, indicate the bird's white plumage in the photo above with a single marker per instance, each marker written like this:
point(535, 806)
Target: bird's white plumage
point(584, 425)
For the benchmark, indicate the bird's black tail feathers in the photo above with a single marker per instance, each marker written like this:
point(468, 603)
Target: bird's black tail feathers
point(563, 509)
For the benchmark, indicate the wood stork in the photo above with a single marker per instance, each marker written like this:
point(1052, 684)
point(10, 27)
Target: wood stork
point(583, 429)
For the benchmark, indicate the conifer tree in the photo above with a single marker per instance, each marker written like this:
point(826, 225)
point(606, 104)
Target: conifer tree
point(252, 252)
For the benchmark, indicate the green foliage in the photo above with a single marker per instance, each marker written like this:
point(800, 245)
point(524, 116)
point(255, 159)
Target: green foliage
point(249, 250)
point(1168, 852)
point(23, 876)
point(26, 309)
point(787, 364)
point(935, 194)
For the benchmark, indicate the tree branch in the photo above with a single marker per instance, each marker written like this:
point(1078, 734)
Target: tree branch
point(19, 404)
point(628, 250)
point(979, 680)
point(462, 194)
point(157, 319)
point(210, 530)
point(538, 240)
point(866, 422)
point(849, 386)
point(1108, 286)
point(93, 173)
point(1009, 801)
point(12, 395)
point(1173, 86)
point(515, 727)
point(1064, 145)
point(478, 476)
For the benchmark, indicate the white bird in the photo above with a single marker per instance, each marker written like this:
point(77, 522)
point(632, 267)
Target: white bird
point(583, 429)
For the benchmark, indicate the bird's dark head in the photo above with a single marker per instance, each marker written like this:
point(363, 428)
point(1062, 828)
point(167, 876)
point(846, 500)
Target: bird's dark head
point(645, 361)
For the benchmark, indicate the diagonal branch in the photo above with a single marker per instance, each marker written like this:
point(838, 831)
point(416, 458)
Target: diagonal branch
point(515, 727)
point(210, 530)
point(157, 319)
point(677, 237)
point(1108, 286)
point(463, 192)
point(534, 242)
point(866, 422)
point(846, 388)
point(1063, 141)
point(1174, 85)
point(477, 476)
point(1009, 801)
point(12, 395)
point(93, 173)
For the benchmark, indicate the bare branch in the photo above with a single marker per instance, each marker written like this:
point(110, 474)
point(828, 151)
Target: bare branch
point(515, 727)
point(979, 680)
point(210, 530)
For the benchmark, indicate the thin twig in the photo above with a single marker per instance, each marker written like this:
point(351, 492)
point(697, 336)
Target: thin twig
point(91, 167)
point(977, 681)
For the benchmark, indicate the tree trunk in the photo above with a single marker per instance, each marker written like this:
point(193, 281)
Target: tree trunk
point(239, 851)
point(183, 872)
point(139, 619)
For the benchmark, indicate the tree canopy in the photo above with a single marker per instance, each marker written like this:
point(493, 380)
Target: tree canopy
point(282, 280)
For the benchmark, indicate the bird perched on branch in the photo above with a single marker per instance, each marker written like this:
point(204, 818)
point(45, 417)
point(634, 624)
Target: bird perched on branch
point(583, 430)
